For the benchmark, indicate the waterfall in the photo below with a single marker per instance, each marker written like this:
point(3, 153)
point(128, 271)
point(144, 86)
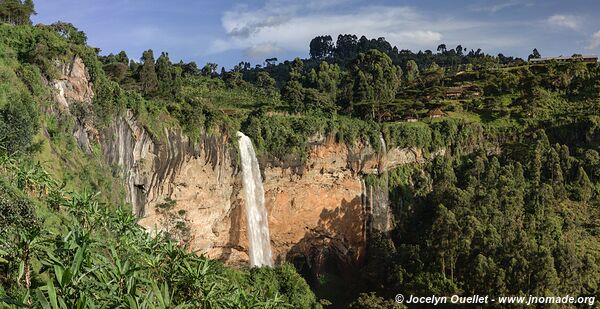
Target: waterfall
point(382, 154)
point(256, 213)
point(376, 203)
point(383, 145)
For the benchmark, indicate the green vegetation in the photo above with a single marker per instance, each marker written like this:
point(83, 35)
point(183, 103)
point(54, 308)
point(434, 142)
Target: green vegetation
point(523, 223)
point(355, 81)
point(511, 208)
point(62, 247)
point(16, 12)
point(67, 250)
point(31, 124)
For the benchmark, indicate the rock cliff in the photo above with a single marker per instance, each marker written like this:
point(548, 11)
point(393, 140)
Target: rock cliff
point(74, 94)
point(320, 212)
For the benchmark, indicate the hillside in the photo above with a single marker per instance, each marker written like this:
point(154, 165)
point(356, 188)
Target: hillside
point(384, 171)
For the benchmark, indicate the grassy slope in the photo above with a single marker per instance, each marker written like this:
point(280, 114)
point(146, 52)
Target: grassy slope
point(99, 244)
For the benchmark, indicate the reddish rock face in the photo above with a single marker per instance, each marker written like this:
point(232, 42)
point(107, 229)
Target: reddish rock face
point(314, 214)
point(317, 209)
point(319, 213)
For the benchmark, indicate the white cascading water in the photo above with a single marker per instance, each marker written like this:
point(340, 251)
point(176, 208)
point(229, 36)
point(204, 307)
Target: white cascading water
point(256, 213)
point(382, 154)
point(383, 145)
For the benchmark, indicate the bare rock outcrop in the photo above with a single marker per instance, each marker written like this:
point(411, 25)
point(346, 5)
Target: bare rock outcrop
point(73, 85)
point(198, 176)
point(73, 91)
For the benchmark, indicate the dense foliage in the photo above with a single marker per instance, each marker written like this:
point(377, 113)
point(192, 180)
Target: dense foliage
point(62, 247)
point(74, 252)
point(523, 223)
point(510, 205)
point(16, 11)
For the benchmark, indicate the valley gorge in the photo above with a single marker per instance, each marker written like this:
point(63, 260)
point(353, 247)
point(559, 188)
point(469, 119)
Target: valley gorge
point(320, 211)
point(334, 181)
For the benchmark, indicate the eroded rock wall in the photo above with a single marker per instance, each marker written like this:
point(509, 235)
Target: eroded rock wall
point(320, 211)
point(73, 86)
point(73, 93)
point(198, 176)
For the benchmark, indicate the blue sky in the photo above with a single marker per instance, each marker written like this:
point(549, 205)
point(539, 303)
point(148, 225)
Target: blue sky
point(227, 32)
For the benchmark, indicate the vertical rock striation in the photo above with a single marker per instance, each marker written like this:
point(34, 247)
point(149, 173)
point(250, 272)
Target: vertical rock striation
point(319, 212)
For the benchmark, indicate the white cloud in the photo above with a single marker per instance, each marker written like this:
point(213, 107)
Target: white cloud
point(595, 42)
point(265, 49)
point(495, 5)
point(565, 21)
point(291, 29)
point(287, 26)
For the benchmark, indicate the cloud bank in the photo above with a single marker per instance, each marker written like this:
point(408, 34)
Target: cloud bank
point(278, 27)
point(285, 26)
point(499, 5)
point(565, 21)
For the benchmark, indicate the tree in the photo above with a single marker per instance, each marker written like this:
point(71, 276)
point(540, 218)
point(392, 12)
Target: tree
point(267, 87)
point(374, 80)
point(122, 57)
point(294, 288)
point(28, 11)
point(293, 91)
point(412, 71)
point(70, 32)
point(325, 80)
point(538, 102)
point(134, 66)
point(372, 301)
point(209, 69)
point(534, 55)
point(296, 69)
point(556, 174)
point(148, 76)
point(485, 276)
point(544, 279)
point(445, 235)
point(116, 71)
point(16, 12)
point(315, 100)
point(271, 61)
point(234, 79)
point(190, 69)
point(293, 94)
point(591, 159)
point(321, 47)
point(459, 50)
point(264, 80)
point(19, 122)
point(177, 83)
point(164, 75)
point(346, 46)
point(583, 187)
point(433, 75)
point(442, 48)
point(245, 66)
